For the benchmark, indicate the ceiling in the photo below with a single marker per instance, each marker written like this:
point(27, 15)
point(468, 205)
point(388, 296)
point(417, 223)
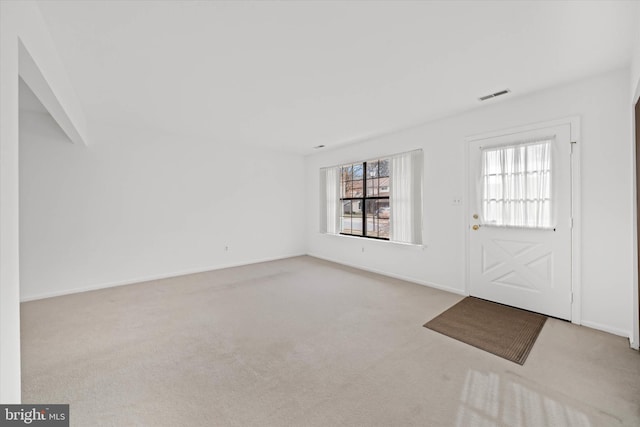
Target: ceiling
point(293, 75)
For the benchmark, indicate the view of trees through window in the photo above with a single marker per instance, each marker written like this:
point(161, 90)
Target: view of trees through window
point(365, 199)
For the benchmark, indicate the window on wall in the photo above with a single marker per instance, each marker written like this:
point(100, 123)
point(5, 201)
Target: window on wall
point(364, 198)
point(377, 199)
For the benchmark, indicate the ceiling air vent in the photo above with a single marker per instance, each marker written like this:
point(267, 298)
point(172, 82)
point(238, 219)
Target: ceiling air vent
point(493, 95)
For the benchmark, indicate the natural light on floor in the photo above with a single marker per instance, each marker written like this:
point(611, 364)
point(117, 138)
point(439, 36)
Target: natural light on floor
point(489, 400)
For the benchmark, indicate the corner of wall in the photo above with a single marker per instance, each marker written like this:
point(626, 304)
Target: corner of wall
point(10, 387)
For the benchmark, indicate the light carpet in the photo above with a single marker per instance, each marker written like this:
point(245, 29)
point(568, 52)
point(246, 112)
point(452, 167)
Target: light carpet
point(304, 342)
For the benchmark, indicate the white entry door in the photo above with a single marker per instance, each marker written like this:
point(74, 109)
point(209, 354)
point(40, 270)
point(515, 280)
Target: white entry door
point(520, 220)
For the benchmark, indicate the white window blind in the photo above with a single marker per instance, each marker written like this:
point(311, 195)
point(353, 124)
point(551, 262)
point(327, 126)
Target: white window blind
point(330, 200)
point(405, 197)
point(517, 185)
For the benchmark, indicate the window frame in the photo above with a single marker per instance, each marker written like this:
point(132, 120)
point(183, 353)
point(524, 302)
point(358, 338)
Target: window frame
point(363, 199)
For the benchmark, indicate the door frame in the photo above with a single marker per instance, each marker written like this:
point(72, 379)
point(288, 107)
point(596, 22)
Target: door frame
point(576, 234)
point(635, 197)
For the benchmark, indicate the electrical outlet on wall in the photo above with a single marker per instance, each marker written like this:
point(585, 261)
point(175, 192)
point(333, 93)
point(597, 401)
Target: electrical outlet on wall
point(456, 201)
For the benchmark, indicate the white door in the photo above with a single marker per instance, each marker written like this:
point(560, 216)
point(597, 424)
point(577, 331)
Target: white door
point(520, 220)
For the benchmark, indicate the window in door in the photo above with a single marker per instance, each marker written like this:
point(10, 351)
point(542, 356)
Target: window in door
point(517, 185)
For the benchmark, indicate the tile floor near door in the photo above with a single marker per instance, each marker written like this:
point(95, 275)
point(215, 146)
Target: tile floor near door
point(307, 342)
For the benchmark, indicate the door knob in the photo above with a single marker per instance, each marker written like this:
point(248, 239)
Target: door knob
point(475, 227)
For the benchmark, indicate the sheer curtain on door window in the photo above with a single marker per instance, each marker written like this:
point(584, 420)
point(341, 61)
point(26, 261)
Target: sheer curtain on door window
point(516, 185)
point(405, 197)
point(330, 200)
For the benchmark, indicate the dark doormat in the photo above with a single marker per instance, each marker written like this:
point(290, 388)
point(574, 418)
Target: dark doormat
point(499, 329)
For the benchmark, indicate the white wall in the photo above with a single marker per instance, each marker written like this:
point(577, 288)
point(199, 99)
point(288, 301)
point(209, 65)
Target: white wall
point(602, 103)
point(136, 205)
point(635, 59)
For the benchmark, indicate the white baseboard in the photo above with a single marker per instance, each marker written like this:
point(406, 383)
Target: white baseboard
point(589, 324)
point(395, 276)
point(151, 277)
point(592, 325)
point(606, 328)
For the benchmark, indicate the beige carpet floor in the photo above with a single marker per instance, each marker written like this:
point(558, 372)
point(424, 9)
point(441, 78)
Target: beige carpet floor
point(304, 342)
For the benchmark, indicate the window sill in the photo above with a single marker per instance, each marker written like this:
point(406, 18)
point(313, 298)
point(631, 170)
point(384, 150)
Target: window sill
point(377, 241)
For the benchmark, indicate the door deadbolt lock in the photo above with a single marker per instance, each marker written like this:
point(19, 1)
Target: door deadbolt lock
point(475, 216)
point(475, 227)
